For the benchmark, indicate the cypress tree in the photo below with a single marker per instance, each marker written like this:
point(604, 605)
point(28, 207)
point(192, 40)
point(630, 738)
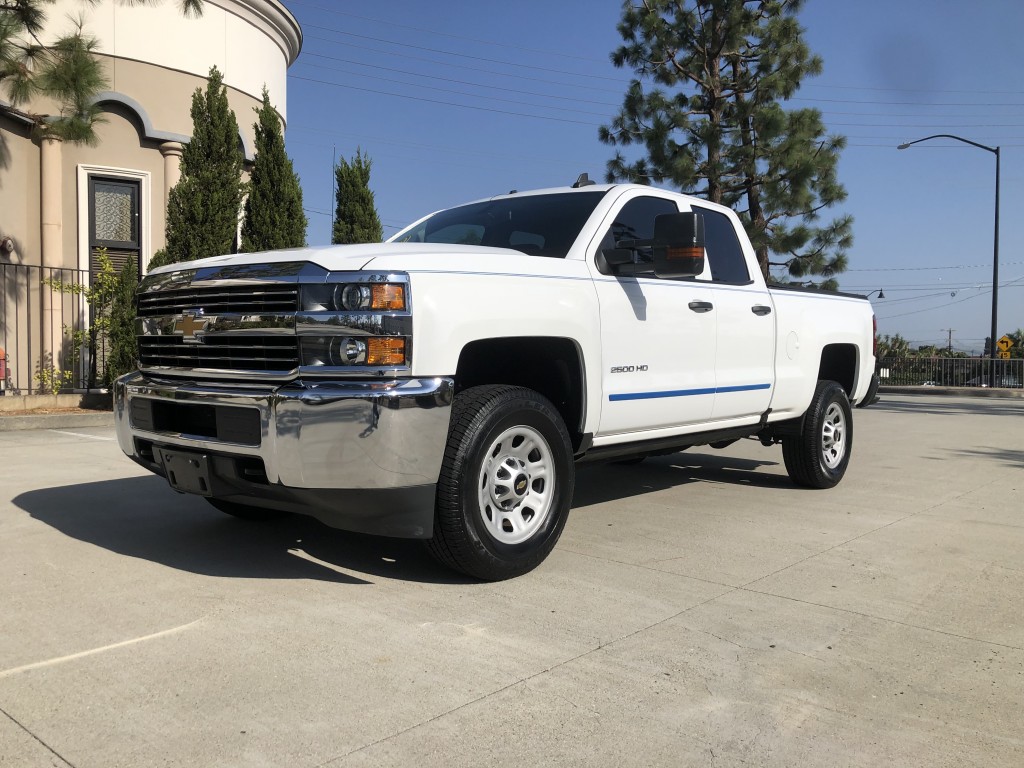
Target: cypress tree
point(355, 217)
point(273, 210)
point(712, 122)
point(123, 345)
point(203, 208)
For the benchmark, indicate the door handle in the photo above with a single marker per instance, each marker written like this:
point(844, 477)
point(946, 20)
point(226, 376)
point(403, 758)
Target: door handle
point(701, 306)
point(761, 309)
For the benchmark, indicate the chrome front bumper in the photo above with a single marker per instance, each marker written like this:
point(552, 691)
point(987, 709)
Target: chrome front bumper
point(339, 450)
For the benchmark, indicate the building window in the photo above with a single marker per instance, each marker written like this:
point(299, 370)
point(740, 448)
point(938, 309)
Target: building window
point(114, 222)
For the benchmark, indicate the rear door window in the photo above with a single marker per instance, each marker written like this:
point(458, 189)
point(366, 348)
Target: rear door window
point(723, 249)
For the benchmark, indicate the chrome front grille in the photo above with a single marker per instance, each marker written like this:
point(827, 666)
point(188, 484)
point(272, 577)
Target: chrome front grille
point(278, 354)
point(234, 299)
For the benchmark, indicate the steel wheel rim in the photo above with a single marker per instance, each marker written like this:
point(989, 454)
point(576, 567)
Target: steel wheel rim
point(516, 485)
point(833, 436)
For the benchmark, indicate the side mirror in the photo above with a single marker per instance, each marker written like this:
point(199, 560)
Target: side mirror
point(678, 245)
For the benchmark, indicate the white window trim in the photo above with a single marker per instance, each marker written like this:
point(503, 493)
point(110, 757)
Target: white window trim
point(145, 210)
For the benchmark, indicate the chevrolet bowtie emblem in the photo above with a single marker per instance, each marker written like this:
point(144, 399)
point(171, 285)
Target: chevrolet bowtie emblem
point(190, 326)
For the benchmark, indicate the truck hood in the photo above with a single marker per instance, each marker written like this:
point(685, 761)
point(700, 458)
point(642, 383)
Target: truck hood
point(340, 258)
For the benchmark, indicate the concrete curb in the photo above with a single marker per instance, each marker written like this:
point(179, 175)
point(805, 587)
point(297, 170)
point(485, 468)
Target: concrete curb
point(954, 391)
point(27, 421)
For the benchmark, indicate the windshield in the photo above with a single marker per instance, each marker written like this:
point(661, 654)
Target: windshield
point(540, 225)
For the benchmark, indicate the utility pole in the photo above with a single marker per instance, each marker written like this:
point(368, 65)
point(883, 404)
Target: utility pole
point(949, 343)
point(334, 180)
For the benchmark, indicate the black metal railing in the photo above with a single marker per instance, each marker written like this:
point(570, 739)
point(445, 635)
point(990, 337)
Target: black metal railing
point(950, 372)
point(38, 326)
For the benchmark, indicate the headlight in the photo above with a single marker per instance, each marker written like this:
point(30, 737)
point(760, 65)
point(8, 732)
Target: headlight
point(354, 297)
point(341, 351)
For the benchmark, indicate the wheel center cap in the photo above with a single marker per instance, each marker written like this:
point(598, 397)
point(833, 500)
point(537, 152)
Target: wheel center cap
point(521, 484)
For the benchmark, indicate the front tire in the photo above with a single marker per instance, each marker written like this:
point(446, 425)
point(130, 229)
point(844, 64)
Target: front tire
point(506, 483)
point(818, 456)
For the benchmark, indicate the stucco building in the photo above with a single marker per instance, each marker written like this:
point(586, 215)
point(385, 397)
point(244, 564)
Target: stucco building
point(60, 201)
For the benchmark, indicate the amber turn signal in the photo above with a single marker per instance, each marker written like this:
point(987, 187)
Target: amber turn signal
point(385, 351)
point(684, 253)
point(388, 296)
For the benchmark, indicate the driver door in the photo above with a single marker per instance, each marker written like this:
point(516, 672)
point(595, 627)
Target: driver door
point(658, 337)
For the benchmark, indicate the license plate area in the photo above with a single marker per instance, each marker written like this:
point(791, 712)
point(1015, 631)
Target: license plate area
point(186, 471)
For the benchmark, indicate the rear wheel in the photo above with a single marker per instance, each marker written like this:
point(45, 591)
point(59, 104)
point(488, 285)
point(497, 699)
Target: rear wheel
point(246, 512)
point(818, 456)
point(506, 483)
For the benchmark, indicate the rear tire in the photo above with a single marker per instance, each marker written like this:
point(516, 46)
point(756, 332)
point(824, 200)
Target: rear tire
point(246, 512)
point(819, 455)
point(506, 483)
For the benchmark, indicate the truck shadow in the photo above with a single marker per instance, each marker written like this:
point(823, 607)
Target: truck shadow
point(1008, 456)
point(599, 483)
point(141, 517)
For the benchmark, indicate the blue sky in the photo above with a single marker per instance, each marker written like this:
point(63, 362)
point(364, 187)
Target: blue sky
point(460, 100)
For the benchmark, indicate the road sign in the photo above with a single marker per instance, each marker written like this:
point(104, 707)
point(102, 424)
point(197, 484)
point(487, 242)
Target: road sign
point(1004, 354)
point(1004, 344)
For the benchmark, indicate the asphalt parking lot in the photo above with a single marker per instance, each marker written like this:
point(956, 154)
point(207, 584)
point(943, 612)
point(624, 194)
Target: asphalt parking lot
point(699, 610)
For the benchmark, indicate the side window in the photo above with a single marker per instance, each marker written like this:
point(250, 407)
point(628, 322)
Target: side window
point(636, 222)
point(724, 253)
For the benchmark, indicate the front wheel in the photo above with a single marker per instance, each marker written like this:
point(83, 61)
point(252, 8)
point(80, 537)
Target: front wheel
point(506, 483)
point(818, 456)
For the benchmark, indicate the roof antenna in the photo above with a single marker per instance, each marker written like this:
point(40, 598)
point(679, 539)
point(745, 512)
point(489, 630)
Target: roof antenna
point(583, 181)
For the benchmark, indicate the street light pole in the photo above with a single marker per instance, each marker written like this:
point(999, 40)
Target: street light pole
point(995, 245)
point(995, 286)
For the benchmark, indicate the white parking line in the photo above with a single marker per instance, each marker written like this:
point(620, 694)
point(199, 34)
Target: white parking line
point(81, 654)
point(80, 434)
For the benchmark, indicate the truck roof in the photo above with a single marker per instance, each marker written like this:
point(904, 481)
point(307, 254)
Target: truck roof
point(601, 188)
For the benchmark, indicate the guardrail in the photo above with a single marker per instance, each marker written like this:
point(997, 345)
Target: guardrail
point(949, 372)
point(36, 326)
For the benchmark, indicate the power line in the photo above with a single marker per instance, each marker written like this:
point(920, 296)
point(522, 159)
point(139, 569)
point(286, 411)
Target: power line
point(922, 269)
point(392, 24)
point(388, 41)
point(434, 147)
point(908, 103)
point(438, 101)
point(443, 52)
point(476, 70)
point(1007, 284)
point(519, 65)
point(460, 93)
point(453, 80)
point(551, 52)
point(908, 90)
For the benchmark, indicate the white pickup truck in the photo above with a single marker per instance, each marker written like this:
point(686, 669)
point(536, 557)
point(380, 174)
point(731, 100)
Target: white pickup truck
point(443, 385)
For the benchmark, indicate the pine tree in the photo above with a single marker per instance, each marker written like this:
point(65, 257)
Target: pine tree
point(203, 207)
point(273, 210)
point(66, 72)
point(712, 122)
point(355, 217)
